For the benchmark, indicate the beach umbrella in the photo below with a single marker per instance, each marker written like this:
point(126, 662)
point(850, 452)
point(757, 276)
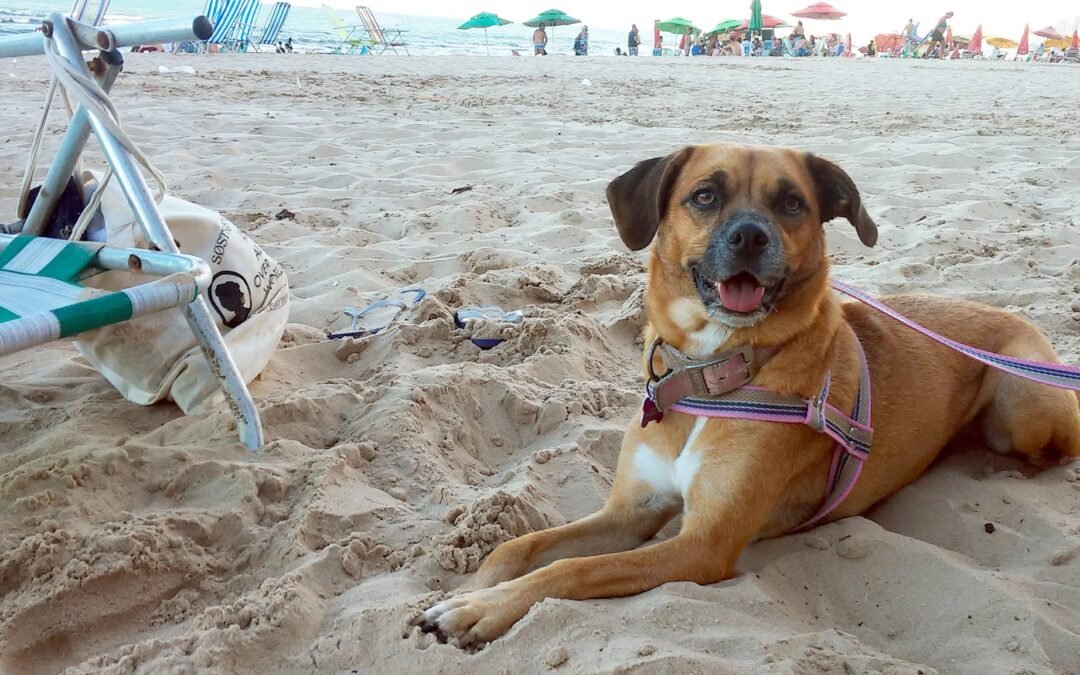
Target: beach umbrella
point(552, 17)
point(677, 25)
point(1002, 42)
point(1022, 48)
point(1049, 33)
point(656, 33)
point(888, 42)
point(820, 10)
point(724, 26)
point(847, 48)
point(484, 20)
point(766, 22)
point(756, 22)
point(1076, 41)
point(976, 41)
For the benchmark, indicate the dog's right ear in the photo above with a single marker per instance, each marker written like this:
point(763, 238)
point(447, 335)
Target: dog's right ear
point(638, 198)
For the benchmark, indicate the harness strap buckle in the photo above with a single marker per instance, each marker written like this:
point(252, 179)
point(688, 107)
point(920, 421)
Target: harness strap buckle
point(815, 407)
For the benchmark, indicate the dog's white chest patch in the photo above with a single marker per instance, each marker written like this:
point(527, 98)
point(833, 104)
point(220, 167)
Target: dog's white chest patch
point(669, 477)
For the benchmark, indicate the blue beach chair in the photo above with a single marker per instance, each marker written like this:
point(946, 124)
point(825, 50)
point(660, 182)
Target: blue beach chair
point(274, 24)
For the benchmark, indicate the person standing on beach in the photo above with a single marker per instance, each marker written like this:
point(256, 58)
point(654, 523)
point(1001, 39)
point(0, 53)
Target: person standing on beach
point(633, 40)
point(688, 41)
point(581, 43)
point(937, 38)
point(540, 41)
point(909, 30)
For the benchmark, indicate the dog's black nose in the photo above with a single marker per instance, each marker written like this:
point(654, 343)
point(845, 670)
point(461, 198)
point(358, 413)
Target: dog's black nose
point(748, 240)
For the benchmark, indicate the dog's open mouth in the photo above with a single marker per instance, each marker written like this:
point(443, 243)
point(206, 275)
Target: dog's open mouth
point(742, 294)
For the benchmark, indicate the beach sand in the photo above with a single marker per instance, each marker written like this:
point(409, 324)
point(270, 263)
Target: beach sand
point(138, 540)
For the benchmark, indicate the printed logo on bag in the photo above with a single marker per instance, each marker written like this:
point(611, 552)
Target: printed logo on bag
point(230, 295)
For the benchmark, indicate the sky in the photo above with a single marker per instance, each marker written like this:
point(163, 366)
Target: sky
point(865, 17)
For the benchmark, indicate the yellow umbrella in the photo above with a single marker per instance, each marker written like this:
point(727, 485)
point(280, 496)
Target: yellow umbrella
point(1058, 44)
point(1002, 43)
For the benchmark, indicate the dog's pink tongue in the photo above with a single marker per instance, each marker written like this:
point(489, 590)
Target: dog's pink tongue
point(740, 294)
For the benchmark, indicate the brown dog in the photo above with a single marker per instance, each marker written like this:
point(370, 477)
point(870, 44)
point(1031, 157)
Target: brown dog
point(740, 260)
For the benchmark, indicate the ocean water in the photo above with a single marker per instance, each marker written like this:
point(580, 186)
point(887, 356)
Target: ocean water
point(310, 28)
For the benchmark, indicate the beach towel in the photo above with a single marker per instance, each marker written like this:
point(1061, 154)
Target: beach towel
point(155, 357)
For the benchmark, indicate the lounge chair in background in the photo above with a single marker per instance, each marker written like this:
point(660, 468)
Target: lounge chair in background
point(42, 296)
point(274, 23)
point(229, 33)
point(238, 23)
point(351, 37)
point(381, 38)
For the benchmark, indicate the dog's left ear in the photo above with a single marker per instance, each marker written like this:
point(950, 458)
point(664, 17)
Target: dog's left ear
point(638, 199)
point(839, 198)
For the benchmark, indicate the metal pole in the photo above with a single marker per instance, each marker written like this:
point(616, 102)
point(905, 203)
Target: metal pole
point(146, 213)
point(67, 155)
point(125, 35)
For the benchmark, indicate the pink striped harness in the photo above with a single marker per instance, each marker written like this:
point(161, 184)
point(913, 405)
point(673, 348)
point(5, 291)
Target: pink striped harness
point(721, 387)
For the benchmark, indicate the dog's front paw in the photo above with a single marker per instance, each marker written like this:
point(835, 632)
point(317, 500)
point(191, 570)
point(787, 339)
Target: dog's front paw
point(473, 618)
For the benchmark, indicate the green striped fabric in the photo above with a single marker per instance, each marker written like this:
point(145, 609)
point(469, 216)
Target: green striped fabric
point(38, 279)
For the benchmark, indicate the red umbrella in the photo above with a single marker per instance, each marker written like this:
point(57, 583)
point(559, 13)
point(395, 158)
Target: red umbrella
point(766, 22)
point(888, 42)
point(820, 10)
point(1076, 41)
point(1049, 33)
point(1022, 50)
point(656, 34)
point(975, 46)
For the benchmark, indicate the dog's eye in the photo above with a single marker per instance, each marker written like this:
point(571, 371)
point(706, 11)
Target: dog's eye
point(704, 198)
point(792, 205)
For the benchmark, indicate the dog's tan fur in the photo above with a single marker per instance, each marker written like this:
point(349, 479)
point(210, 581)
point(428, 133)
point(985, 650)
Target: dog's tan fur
point(757, 479)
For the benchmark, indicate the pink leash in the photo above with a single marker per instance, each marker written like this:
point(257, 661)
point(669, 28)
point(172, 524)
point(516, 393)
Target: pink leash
point(854, 433)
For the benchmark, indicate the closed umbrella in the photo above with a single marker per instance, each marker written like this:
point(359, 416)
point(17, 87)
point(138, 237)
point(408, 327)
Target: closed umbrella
point(820, 10)
point(1022, 48)
point(552, 17)
point(975, 46)
point(1076, 41)
point(484, 20)
point(756, 22)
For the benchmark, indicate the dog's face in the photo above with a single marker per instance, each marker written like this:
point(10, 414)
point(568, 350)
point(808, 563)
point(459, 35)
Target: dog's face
point(739, 228)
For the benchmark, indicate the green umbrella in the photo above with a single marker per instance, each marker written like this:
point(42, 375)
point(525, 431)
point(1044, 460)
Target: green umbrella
point(484, 20)
point(552, 17)
point(756, 22)
point(724, 26)
point(678, 25)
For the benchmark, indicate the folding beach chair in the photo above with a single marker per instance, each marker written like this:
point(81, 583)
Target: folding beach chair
point(273, 26)
point(244, 29)
point(86, 11)
point(913, 44)
point(381, 38)
point(42, 292)
point(352, 40)
point(235, 25)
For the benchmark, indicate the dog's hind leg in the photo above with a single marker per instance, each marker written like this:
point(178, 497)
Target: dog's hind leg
point(1036, 420)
